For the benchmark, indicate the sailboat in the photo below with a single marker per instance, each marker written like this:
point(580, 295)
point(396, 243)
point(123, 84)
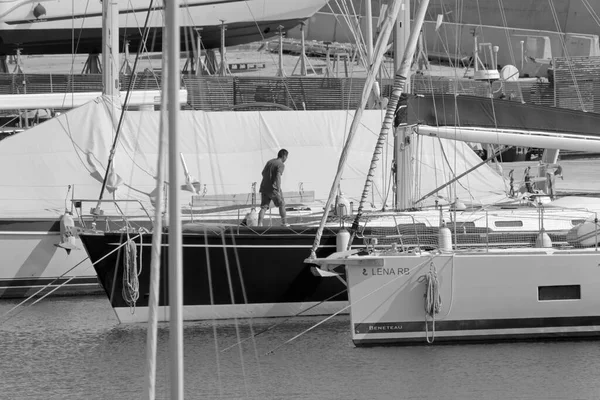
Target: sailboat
point(259, 271)
point(40, 253)
point(537, 31)
point(412, 295)
point(58, 27)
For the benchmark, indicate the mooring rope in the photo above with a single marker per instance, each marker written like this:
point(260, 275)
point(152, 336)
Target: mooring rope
point(6, 315)
point(131, 283)
point(433, 299)
point(416, 268)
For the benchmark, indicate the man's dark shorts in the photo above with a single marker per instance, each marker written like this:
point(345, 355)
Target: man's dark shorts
point(266, 198)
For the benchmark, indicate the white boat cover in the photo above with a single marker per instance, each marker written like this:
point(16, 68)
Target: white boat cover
point(225, 151)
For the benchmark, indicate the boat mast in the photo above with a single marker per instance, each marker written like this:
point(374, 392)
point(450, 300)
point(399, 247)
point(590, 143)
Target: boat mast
point(402, 148)
point(110, 84)
point(110, 49)
point(401, 34)
point(153, 301)
point(175, 239)
point(397, 90)
point(380, 47)
point(369, 31)
point(374, 96)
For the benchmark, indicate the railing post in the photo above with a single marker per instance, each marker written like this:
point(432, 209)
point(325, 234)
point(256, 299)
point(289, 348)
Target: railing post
point(487, 232)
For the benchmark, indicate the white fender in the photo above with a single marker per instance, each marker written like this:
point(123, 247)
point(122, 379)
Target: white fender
point(251, 218)
point(445, 239)
point(342, 206)
point(586, 234)
point(67, 233)
point(341, 240)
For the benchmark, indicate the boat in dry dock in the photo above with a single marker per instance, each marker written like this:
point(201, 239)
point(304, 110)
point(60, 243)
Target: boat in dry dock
point(58, 27)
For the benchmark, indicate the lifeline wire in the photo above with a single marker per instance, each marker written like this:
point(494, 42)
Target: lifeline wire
point(348, 306)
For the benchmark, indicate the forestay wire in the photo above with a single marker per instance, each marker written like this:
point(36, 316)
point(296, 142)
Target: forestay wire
point(380, 48)
point(397, 90)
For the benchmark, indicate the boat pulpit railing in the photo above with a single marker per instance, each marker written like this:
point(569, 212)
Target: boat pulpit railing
point(399, 232)
point(484, 230)
point(543, 227)
point(112, 216)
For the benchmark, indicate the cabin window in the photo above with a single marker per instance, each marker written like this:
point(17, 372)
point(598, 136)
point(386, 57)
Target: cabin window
point(565, 292)
point(576, 222)
point(508, 224)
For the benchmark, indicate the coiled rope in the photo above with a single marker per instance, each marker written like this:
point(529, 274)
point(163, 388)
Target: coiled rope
point(433, 300)
point(131, 283)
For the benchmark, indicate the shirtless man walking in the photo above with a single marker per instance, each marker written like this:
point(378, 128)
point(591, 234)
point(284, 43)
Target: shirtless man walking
point(270, 187)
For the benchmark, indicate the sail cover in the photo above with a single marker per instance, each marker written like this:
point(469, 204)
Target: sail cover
point(483, 112)
point(225, 151)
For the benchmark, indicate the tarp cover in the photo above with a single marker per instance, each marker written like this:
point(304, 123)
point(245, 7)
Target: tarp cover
point(475, 111)
point(225, 151)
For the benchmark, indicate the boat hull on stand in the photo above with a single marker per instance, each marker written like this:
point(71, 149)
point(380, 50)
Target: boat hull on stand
point(56, 27)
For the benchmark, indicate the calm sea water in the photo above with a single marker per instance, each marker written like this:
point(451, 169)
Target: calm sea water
point(73, 348)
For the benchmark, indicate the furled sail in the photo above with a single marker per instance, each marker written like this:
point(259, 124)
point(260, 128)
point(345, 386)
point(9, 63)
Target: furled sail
point(483, 112)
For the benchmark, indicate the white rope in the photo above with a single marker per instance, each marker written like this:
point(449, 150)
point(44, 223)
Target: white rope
point(131, 283)
point(433, 300)
point(22, 304)
point(402, 286)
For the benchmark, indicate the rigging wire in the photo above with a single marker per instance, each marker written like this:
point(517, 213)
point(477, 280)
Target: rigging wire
point(245, 297)
point(116, 249)
point(122, 116)
point(232, 295)
point(566, 52)
point(592, 12)
point(355, 302)
point(214, 322)
point(271, 327)
point(74, 42)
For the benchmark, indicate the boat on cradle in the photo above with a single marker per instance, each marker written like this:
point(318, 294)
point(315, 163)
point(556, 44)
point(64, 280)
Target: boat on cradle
point(529, 33)
point(47, 27)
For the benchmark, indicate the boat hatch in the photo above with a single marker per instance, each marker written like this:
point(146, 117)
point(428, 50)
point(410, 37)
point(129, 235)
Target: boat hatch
point(563, 292)
point(508, 224)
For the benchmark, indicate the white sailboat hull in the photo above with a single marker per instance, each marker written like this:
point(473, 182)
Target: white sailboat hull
point(136, 98)
point(67, 26)
point(231, 311)
point(30, 258)
point(32, 261)
point(498, 295)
